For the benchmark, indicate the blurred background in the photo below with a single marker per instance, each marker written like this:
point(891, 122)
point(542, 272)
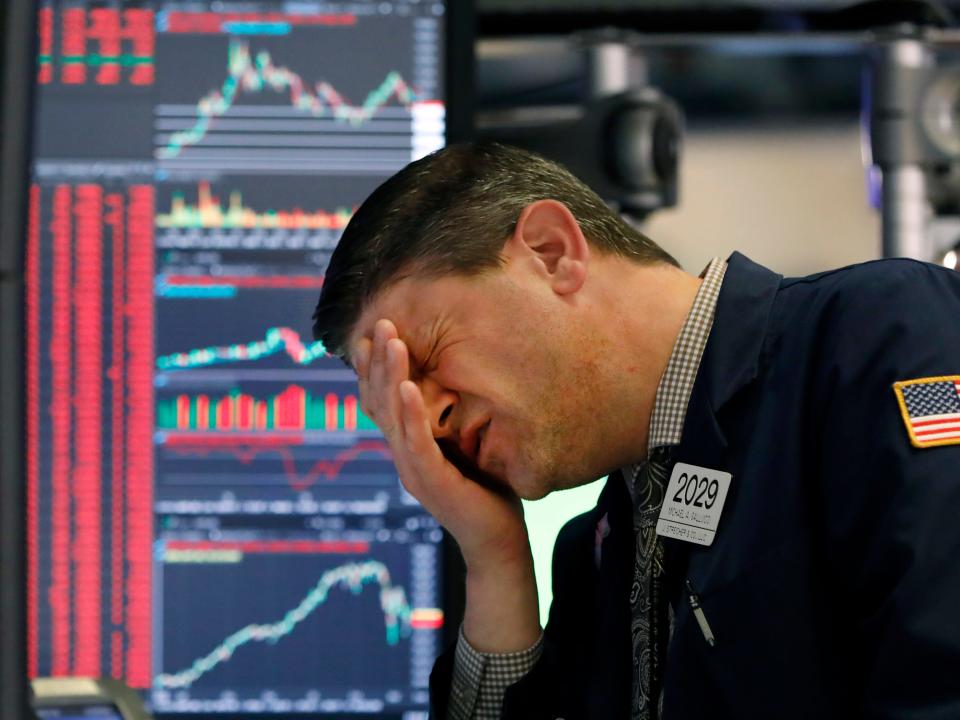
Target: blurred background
point(192, 502)
point(774, 158)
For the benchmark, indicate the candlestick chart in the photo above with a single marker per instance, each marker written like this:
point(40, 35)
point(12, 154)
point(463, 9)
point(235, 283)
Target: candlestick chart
point(249, 74)
point(249, 328)
point(276, 340)
point(257, 112)
point(351, 576)
point(361, 601)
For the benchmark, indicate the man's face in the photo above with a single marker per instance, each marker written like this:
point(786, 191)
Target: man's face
point(505, 374)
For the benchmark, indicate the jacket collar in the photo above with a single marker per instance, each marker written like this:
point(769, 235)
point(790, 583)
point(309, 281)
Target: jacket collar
point(731, 359)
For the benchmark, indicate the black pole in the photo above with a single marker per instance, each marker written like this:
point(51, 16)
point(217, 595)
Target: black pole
point(17, 76)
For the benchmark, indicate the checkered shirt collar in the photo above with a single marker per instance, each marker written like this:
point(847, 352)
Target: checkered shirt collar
point(676, 384)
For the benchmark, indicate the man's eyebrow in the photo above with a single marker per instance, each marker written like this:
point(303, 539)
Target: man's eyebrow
point(426, 337)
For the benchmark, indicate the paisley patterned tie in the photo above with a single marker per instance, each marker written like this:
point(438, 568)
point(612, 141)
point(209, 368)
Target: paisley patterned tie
point(648, 601)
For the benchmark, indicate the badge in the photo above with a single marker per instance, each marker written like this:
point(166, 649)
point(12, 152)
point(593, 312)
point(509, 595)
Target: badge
point(693, 503)
point(931, 410)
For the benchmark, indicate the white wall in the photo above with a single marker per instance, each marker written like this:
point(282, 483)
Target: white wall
point(793, 199)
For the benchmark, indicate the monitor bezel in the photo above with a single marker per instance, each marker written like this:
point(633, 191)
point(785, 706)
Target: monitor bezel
point(18, 73)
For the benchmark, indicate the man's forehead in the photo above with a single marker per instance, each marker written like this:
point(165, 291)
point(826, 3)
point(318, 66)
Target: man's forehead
point(405, 303)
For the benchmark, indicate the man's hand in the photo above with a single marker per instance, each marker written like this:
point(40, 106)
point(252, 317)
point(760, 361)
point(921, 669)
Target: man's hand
point(487, 524)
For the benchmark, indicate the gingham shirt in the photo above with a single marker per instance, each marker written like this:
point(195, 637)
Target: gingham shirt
point(480, 680)
point(673, 392)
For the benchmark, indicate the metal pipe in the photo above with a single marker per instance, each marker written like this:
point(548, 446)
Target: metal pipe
point(612, 63)
point(905, 206)
point(906, 213)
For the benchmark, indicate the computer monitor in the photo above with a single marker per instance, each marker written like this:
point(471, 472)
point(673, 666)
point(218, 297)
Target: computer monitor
point(211, 517)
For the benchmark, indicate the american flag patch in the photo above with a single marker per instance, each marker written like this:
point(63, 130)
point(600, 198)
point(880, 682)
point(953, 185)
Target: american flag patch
point(931, 410)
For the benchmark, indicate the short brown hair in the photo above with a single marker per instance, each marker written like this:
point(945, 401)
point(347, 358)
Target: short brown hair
point(451, 213)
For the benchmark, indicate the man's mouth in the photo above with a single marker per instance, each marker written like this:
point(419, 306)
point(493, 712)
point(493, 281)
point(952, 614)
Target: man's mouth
point(470, 437)
point(481, 436)
point(468, 466)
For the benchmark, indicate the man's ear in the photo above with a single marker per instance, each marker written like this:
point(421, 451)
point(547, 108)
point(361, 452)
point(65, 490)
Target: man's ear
point(549, 235)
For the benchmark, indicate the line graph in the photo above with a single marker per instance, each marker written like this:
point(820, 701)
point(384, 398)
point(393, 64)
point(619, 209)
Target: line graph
point(267, 608)
point(351, 576)
point(255, 74)
point(247, 450)
point(276, 341)
point(314, 124)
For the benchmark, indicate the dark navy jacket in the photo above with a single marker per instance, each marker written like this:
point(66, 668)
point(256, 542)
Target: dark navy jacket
point(833, 583)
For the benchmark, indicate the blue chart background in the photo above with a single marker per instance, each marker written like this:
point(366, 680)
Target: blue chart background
point(195, 473)
point(333, 650)
point(187, 324)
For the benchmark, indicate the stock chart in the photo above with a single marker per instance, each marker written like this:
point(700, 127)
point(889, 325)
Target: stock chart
point(212, 517)
point(293, 635)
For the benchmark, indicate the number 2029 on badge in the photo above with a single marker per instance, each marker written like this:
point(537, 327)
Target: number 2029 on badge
point(693, 503)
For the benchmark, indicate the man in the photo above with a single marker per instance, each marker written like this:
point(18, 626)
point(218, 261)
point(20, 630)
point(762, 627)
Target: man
point(777, 537)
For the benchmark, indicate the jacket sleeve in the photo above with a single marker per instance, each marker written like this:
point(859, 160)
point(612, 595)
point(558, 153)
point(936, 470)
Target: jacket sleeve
point(541, 693)
point(891, 511)
point(441, 683)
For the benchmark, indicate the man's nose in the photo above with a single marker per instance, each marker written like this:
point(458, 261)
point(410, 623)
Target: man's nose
point(442, 408)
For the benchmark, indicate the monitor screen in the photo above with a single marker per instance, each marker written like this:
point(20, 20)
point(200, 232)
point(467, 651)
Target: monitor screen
point(77, 711)
point(211, 516)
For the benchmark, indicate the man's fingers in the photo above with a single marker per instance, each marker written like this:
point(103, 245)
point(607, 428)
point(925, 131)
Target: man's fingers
point(382, 364)
point(388, 367)
point(425, 455)
point(397, 370)
point(361, 358)
point(385, 330)
point(376, 376)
